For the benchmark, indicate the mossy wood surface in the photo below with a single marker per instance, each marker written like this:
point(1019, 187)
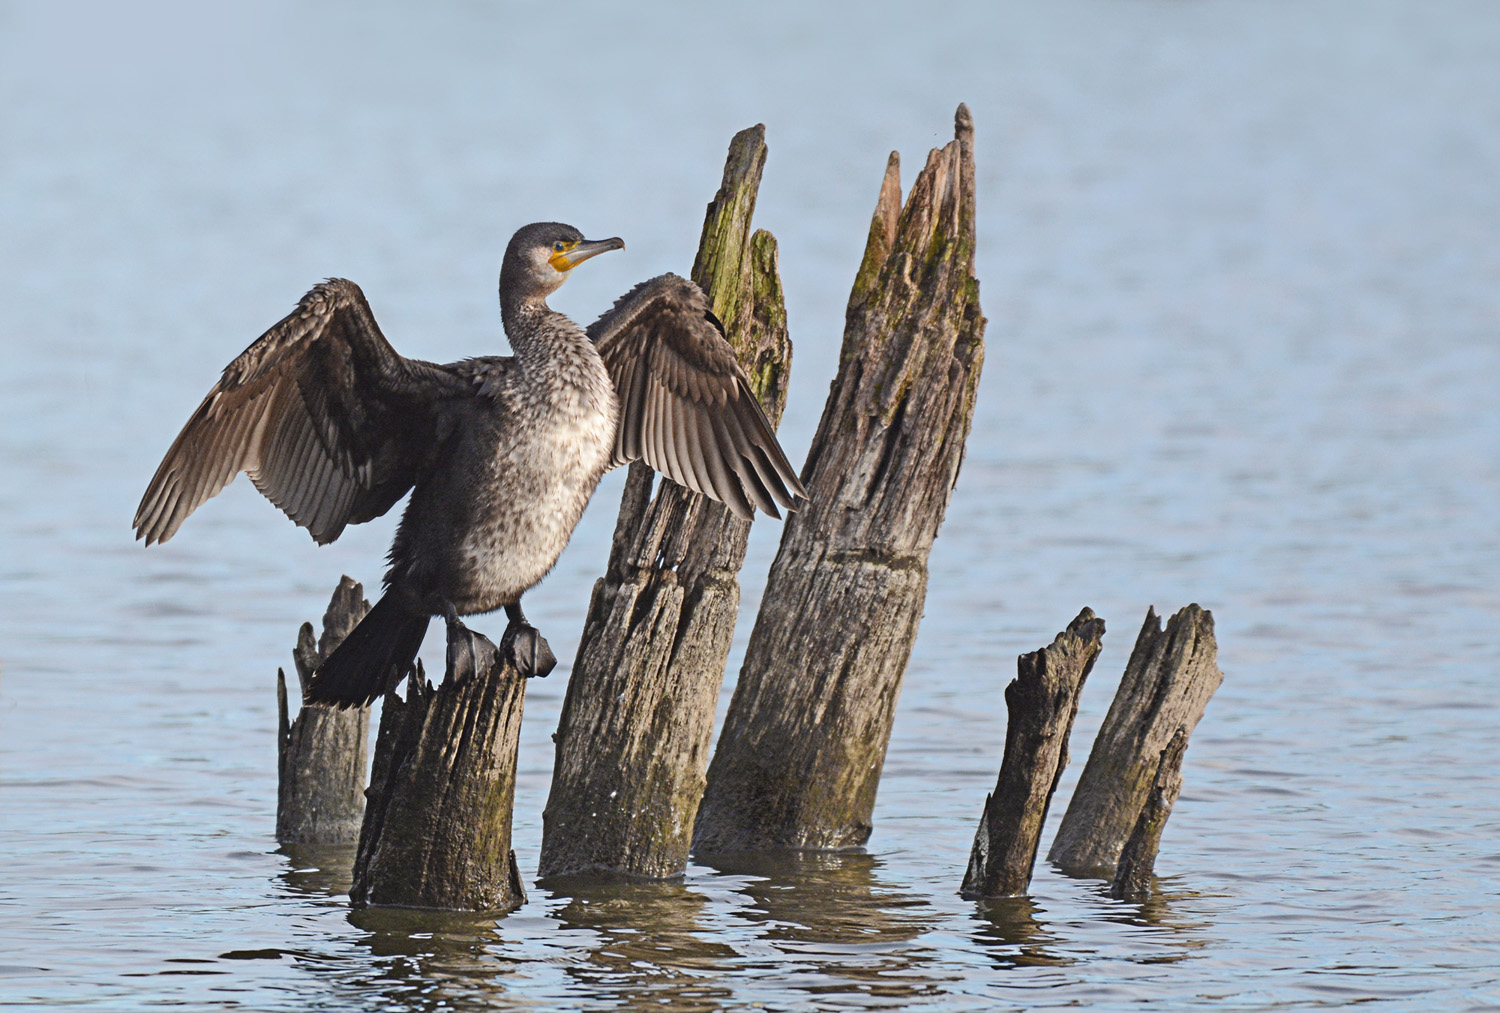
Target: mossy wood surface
point(1168, 682)
point(799, 759)
point(633, 736)
point(437, 829)
point(1042, 701)
point(1138, 858)
point(323, 754)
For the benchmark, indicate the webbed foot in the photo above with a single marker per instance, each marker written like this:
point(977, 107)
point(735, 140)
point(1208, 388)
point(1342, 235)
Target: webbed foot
point(469, 653)
point(524, 647)
point(528, 650)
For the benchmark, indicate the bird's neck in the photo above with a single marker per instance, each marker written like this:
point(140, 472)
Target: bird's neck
point(519, 314)
point(539, 335)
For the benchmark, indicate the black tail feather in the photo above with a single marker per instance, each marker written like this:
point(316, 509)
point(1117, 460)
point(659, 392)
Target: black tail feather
point(375, 656)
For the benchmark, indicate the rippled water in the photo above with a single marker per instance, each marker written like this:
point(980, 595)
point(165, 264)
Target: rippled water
point(1241, 269)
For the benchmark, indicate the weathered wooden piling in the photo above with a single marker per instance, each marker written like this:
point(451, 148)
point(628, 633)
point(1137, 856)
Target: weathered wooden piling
point(1042, 701)
point(799, 759)
point(1167, 684)
point(633, 737)
point(323, 754)
point(1138, 858)
point(436, 832)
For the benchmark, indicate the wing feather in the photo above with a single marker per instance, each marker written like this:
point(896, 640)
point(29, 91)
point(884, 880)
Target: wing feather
point(317, 496)
point(659, 440)
point(692, 420)
point(671, 435)
point(297, 444)
point(718, 475)
point(685, 402)
point(678, 411)
point(756, 453)
point(633, 414)
point(736, 498)
point(210, 477)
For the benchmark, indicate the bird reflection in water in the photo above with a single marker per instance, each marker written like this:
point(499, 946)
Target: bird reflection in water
point(831, 922)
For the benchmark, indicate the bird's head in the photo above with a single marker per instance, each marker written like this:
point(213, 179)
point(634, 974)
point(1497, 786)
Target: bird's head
point(540, 255)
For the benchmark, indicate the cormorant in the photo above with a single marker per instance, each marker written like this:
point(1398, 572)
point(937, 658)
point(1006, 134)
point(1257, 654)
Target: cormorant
point(500, 453)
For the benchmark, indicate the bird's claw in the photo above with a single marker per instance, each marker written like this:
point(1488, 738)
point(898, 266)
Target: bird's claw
point(528, 650)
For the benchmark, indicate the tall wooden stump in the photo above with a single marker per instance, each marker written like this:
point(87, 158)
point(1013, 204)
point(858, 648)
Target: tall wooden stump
point(1167, 684)
point(323, 754)
point(1042, 701)
point(437, 829)
point(633, 737)
point(799, 759)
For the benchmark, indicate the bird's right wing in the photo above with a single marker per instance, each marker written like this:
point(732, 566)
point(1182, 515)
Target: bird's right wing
point(329, 422)
point(685, 403)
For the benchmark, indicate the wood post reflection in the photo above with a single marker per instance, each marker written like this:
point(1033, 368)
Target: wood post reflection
point(828, 915)
point(651, 947)
point(1008, 930)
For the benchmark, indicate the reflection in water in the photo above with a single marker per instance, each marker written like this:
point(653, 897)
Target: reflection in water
point(812, 925)
point(650, 950)
point(831, 924)
point(429, 960)
point(423, 960)
point(1162, 910)
point(318, 869)
point(1009, 932)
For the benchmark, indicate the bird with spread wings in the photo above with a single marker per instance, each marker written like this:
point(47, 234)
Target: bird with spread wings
point(499, 453)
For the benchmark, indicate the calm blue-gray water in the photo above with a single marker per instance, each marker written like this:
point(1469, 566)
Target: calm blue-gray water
point(1241, 263)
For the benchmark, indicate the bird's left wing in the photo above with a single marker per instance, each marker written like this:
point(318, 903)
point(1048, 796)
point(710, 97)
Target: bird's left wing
point(329, 422)
point(685, 404)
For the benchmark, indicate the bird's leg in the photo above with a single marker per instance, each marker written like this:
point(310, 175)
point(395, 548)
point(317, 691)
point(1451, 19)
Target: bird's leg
point(524, 646)
point(469, 653)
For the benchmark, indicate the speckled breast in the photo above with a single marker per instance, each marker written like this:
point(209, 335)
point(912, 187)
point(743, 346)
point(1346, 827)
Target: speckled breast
point(547, 469)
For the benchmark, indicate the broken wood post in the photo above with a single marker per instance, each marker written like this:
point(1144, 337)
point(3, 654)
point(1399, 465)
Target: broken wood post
point(1167, 684)
point(633, 736)
point(1042, 701)
point(437, 827)
point(1138, 858)
point(799, 759)
point(322, 755)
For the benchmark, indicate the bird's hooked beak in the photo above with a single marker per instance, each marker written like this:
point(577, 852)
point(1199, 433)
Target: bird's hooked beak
point(567, 259)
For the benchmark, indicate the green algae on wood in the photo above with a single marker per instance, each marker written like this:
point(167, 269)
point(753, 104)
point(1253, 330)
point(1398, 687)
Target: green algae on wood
point(633, 736)
point(799, 760)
